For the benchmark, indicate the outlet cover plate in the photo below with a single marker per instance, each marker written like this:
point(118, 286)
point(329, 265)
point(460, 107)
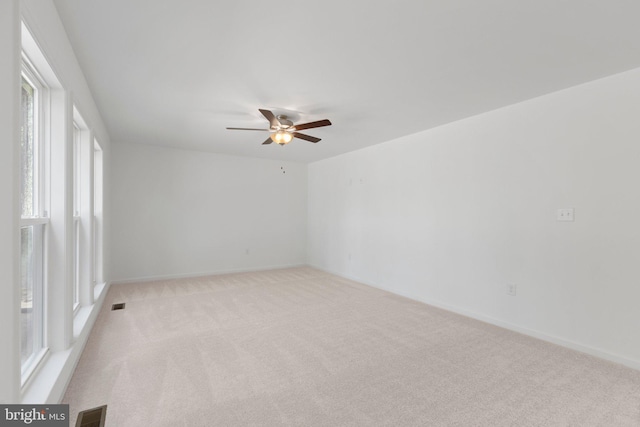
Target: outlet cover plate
point(565, 214)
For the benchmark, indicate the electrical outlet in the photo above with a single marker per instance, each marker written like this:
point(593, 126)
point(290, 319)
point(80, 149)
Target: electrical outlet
point(565, 214)
point(511, 289)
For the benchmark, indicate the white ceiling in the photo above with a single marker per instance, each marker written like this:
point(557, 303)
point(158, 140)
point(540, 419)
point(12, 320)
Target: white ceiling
point(177, 72)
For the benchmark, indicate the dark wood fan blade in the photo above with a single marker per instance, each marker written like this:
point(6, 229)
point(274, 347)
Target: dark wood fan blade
point(310, 125)
point(248, 129)
point(273, 120)
point(267, 141)
point(306, 137)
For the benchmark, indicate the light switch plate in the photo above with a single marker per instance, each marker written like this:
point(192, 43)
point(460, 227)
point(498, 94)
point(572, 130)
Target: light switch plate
point(565, 214)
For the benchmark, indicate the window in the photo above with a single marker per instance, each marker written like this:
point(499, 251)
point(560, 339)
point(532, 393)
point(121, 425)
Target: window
point(29, 148)
point(33, 221)
point(98, 182)
point(76, 215)
point(61, 198)
point(83, 215)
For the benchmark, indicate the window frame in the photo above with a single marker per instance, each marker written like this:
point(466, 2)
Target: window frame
point(38, 221)
point(77, 144)
point(98, 212)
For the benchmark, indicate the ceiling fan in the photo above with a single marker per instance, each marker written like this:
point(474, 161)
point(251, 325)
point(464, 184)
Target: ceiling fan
point(283, 130)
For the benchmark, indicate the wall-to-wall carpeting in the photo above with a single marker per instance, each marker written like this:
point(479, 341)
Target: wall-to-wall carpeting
point(302, 347)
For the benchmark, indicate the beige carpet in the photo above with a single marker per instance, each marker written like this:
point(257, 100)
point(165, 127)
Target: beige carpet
point(300, 347)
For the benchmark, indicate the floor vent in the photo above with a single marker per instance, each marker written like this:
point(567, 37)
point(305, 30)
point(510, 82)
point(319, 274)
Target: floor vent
point(118, 306)
point(92, 417)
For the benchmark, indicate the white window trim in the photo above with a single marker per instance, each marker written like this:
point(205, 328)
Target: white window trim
point(76, 264)
point(76, 230)
point(64, 330)
point(98, 212)
point(39, 220)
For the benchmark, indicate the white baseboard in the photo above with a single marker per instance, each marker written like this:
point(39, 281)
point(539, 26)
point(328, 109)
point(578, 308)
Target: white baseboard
point(631, 363)
point(202, 274)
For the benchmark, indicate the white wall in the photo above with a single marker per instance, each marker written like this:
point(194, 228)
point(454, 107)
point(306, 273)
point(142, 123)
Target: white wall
point(182, 213)
point(9, 240)
point(452, 215)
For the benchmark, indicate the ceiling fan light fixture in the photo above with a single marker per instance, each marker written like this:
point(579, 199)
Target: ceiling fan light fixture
point(281, 137)
point(282, 130)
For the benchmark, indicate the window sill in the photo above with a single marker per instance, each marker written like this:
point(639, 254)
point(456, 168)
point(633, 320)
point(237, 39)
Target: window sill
point(34, 366)
point(48, 381)
point(98, 290)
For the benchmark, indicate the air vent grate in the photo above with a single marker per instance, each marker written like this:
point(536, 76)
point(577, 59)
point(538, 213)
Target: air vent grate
point(118, 306)
point(92, 417)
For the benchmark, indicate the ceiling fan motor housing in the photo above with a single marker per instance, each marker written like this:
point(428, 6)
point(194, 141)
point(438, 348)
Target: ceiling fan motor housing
point(284, 123)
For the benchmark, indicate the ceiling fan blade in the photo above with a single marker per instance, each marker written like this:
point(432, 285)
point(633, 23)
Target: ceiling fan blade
point(310, 125)
point(273, 120)
point(306, 137)
point(248, 129)
point(267, 141)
